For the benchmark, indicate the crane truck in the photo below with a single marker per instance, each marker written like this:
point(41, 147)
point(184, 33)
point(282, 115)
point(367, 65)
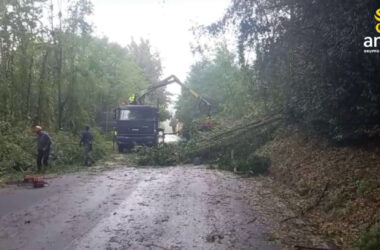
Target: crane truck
point(138, 124)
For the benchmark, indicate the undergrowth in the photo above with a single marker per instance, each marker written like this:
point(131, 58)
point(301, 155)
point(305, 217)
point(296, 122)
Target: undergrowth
point(343, 180)
point(161, 155)
point(370, 240)
point(253, 164)
point(18, 151)
point(232, 154)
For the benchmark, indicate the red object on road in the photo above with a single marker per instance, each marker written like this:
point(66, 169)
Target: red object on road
point(37, 181)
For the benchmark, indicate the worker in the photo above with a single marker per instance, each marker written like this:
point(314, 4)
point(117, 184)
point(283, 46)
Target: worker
point(114, 137)
point(173, 123)
point(43, 147)
point(208, 124)
point(132, 99)
point(86, 142)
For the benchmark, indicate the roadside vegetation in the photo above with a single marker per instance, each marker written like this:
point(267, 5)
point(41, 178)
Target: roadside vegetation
point(58, 75)
point(18, 152)
point(301, 61)
point(325, 145)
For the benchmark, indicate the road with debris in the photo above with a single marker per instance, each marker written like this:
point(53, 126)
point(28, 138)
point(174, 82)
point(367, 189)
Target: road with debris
point(166, 208)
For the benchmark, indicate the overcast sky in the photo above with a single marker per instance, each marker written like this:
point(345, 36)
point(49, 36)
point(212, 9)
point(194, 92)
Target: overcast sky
point(166, 23)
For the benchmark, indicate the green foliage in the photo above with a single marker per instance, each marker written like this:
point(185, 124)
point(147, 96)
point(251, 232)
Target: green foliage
point(150, 62)
point(370, 240)
point(58, 75)
point(366, 186)
point(232, 146)
point(254, 164)
point(223, 84)
point(161, 155)
point(67, 151)
point(18, 149)
point(314, 71)
point(191, 126)
point(147, 60)
point(163, 114)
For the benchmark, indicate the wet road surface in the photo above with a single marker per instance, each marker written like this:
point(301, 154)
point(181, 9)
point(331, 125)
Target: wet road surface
point(167, 208)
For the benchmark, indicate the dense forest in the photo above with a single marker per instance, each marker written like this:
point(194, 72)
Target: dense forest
point(316, 65)
point(304, 59)
point(56, 73)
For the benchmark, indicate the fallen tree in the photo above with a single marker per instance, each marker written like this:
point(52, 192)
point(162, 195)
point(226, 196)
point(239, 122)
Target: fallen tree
point(228, 136)
point(230, 146)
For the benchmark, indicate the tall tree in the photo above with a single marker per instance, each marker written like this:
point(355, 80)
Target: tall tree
point(150, 62)
point(310, 61)
point(222, 82)
point(54, 72)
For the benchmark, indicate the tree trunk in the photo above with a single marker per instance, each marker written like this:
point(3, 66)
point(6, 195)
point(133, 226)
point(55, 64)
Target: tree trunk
point(59, 58)
point(41, 86)
point(29, 87)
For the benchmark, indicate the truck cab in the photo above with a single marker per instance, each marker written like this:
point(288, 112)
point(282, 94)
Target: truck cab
point(136, 125)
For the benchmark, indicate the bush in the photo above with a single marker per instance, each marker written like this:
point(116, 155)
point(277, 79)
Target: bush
point(17, 152)
point(161, 155)
point(254, 165)
point(18, 149)
point(365, 187)
point(370, 240)
point(67, 151)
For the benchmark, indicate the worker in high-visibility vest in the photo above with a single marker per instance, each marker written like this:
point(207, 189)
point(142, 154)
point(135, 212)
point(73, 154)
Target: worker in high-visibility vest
point(132, 99)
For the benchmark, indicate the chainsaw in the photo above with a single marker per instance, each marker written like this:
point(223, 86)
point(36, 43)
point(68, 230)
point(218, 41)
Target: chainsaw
point(36, 181)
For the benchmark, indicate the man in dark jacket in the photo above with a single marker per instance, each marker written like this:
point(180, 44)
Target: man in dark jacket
point(43, 147)
point(86, 141)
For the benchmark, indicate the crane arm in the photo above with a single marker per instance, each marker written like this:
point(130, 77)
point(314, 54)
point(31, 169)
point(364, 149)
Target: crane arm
point(169, 80)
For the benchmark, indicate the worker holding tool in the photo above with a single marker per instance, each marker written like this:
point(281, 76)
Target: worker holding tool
point(86, 142)
point(43, 147)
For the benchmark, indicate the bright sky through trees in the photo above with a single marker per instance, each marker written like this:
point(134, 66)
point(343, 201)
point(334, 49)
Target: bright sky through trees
point(166, 23)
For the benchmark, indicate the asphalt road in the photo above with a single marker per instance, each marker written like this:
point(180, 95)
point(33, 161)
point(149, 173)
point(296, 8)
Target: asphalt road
point(166, 208)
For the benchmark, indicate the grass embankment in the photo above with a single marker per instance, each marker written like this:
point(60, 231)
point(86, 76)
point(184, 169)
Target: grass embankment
point(18, 152)
point(337, 188)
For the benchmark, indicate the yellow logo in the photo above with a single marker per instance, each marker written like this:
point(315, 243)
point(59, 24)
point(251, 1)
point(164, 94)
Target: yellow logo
point(372, 44)
point(377, 17)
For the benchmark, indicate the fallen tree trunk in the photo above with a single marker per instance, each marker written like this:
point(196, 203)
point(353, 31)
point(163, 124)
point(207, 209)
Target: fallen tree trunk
point(230, 135)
